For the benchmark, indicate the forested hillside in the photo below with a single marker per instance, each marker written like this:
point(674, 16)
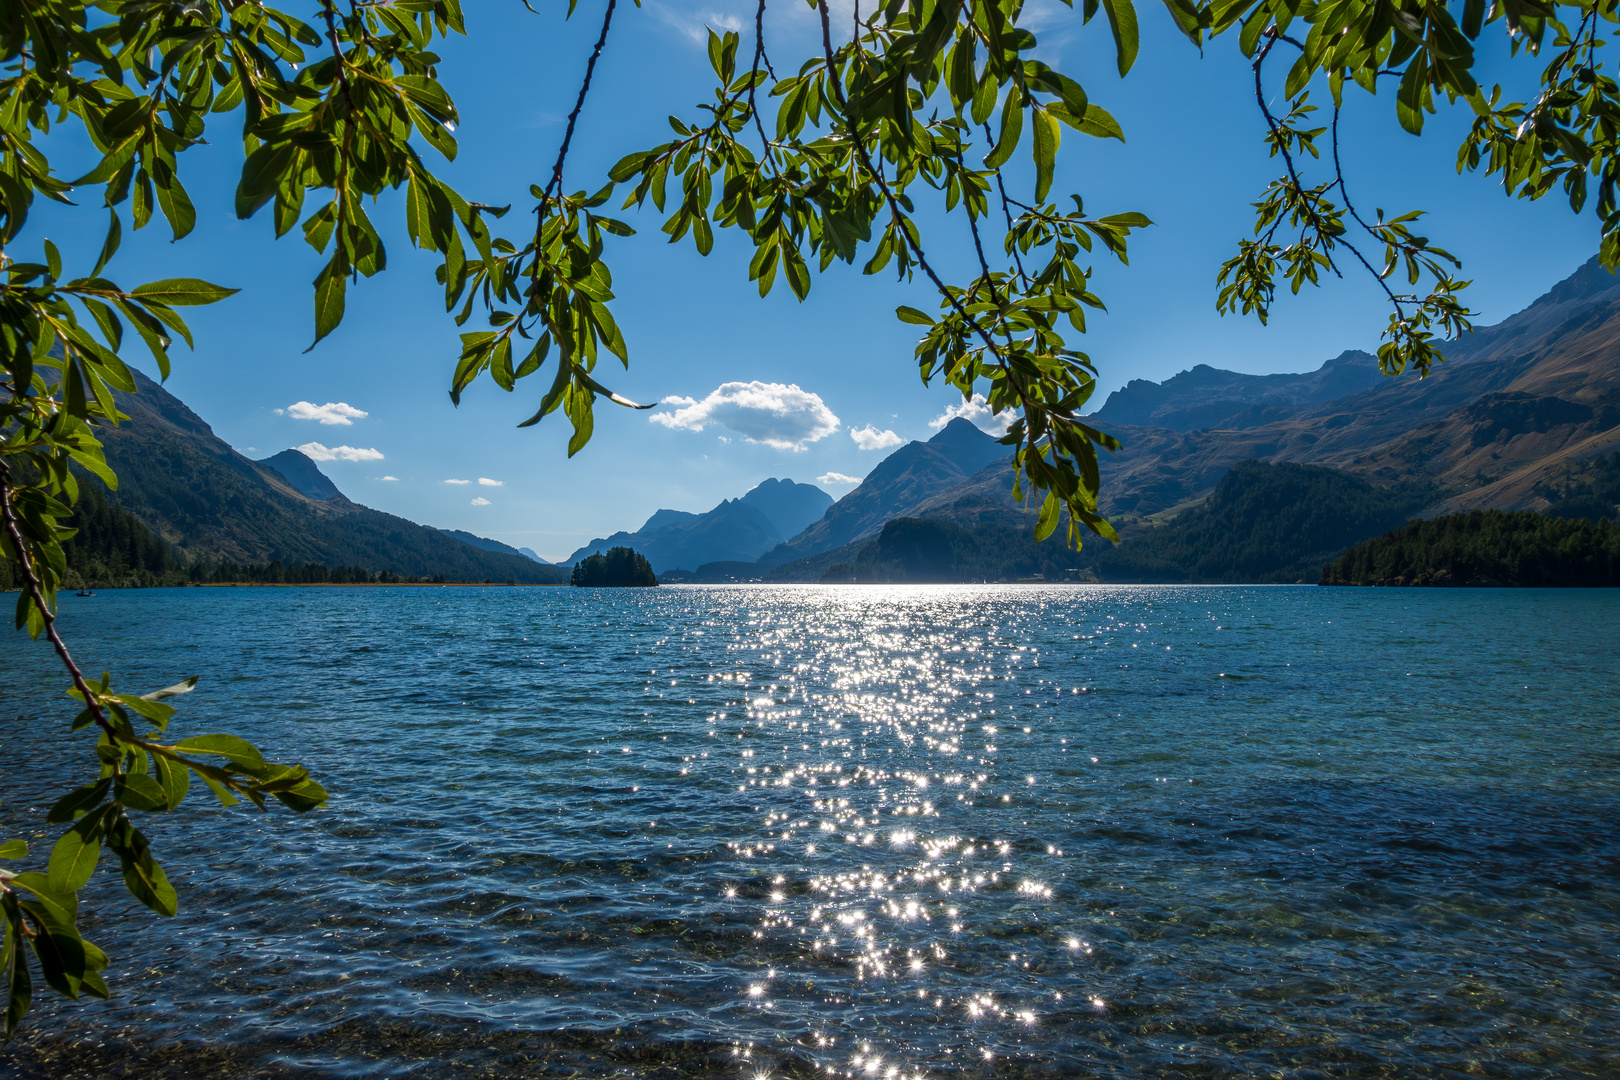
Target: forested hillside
point(113, 549)
point(1486, 547)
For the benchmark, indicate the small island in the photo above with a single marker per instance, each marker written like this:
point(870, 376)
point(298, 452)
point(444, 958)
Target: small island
point(620, 568)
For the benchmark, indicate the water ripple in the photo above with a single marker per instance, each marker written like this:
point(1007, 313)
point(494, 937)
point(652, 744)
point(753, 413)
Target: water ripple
point(866, 832)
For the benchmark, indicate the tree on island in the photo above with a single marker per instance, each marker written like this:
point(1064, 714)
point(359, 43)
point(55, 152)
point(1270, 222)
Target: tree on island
point(621, 567)
point(818, 161)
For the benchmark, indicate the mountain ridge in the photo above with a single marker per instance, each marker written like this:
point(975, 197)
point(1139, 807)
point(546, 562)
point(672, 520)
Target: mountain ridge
point(192, 490)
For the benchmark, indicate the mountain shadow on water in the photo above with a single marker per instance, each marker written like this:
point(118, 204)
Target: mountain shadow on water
point(620, 567)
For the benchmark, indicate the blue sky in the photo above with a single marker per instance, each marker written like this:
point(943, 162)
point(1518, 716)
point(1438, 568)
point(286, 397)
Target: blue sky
point(1193, 163)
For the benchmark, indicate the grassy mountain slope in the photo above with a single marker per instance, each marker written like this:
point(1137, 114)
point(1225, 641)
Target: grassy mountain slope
point(193, 491)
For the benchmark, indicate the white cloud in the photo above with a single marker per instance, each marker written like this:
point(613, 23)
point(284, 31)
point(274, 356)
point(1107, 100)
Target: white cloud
point(390, 478)
point(694, 23)
point(332, 414)
point(870, 438)
point(835, 478)
point(783, 417)
point(316, 452)
point(977, 411)
point(484, 481)
point(481, 501)
point(458, 481)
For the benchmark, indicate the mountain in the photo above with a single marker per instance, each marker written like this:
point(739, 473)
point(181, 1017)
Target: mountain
point(903, 481)
point(790, 507)
point(195, 492)
point(484, 543)
point(1263, 523)
point(1207, 397)
point(1514, 403)
point(738, 530)
point(1517, 418)
point(303, 474)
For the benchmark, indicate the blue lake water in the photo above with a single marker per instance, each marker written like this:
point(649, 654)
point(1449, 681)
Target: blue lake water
point(876, 832)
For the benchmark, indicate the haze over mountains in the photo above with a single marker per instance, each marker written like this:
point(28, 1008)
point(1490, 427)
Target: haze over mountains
point(738, 530)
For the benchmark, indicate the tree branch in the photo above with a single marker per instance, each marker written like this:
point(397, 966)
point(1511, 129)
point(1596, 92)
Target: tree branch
point(36, 592)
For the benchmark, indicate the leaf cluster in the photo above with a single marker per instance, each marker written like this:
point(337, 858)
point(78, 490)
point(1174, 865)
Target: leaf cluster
point(138, 772)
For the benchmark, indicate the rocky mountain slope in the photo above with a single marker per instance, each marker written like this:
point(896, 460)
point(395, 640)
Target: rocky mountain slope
point(1514, 402)
point(901, 484)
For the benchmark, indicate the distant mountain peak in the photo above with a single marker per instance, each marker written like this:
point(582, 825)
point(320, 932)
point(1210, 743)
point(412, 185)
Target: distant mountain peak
point(966, 446)
point(791, 507)
point(303, 474)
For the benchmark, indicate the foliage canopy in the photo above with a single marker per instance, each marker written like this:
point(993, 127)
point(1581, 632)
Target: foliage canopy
point(826, 161)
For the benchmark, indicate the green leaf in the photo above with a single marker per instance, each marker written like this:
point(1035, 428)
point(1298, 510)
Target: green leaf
point(61, 959)
point(140, 792)
point(109, 246)
point(175, 202)
point(14, 849)
point(1012, 126)
point(912, 315)
point(75, 855)
point(182, 292)
point(984, 99)
point(1122, 21)
point(143, 877)
point(1047, 136)
point(329, 298)
point(59, 909)
point(174, 778)
point(239, 751)
point(78, 801)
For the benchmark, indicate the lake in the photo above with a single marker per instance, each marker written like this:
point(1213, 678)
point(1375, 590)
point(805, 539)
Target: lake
point(860, 832)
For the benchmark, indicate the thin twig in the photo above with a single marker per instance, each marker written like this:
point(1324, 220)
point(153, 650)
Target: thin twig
point(337, 52)
point(1299, 185)
point(554, 185)
point(753, 79)
point(1006, 209)
point(973, 222)
point(37, 592)
point(1338, 173)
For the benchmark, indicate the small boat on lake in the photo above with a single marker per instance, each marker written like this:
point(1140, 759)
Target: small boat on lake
point(84, 592)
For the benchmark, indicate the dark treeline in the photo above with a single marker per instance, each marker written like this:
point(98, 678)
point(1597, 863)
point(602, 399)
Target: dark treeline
point(621, 567)
point(1486, 547)
point(113, 549)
